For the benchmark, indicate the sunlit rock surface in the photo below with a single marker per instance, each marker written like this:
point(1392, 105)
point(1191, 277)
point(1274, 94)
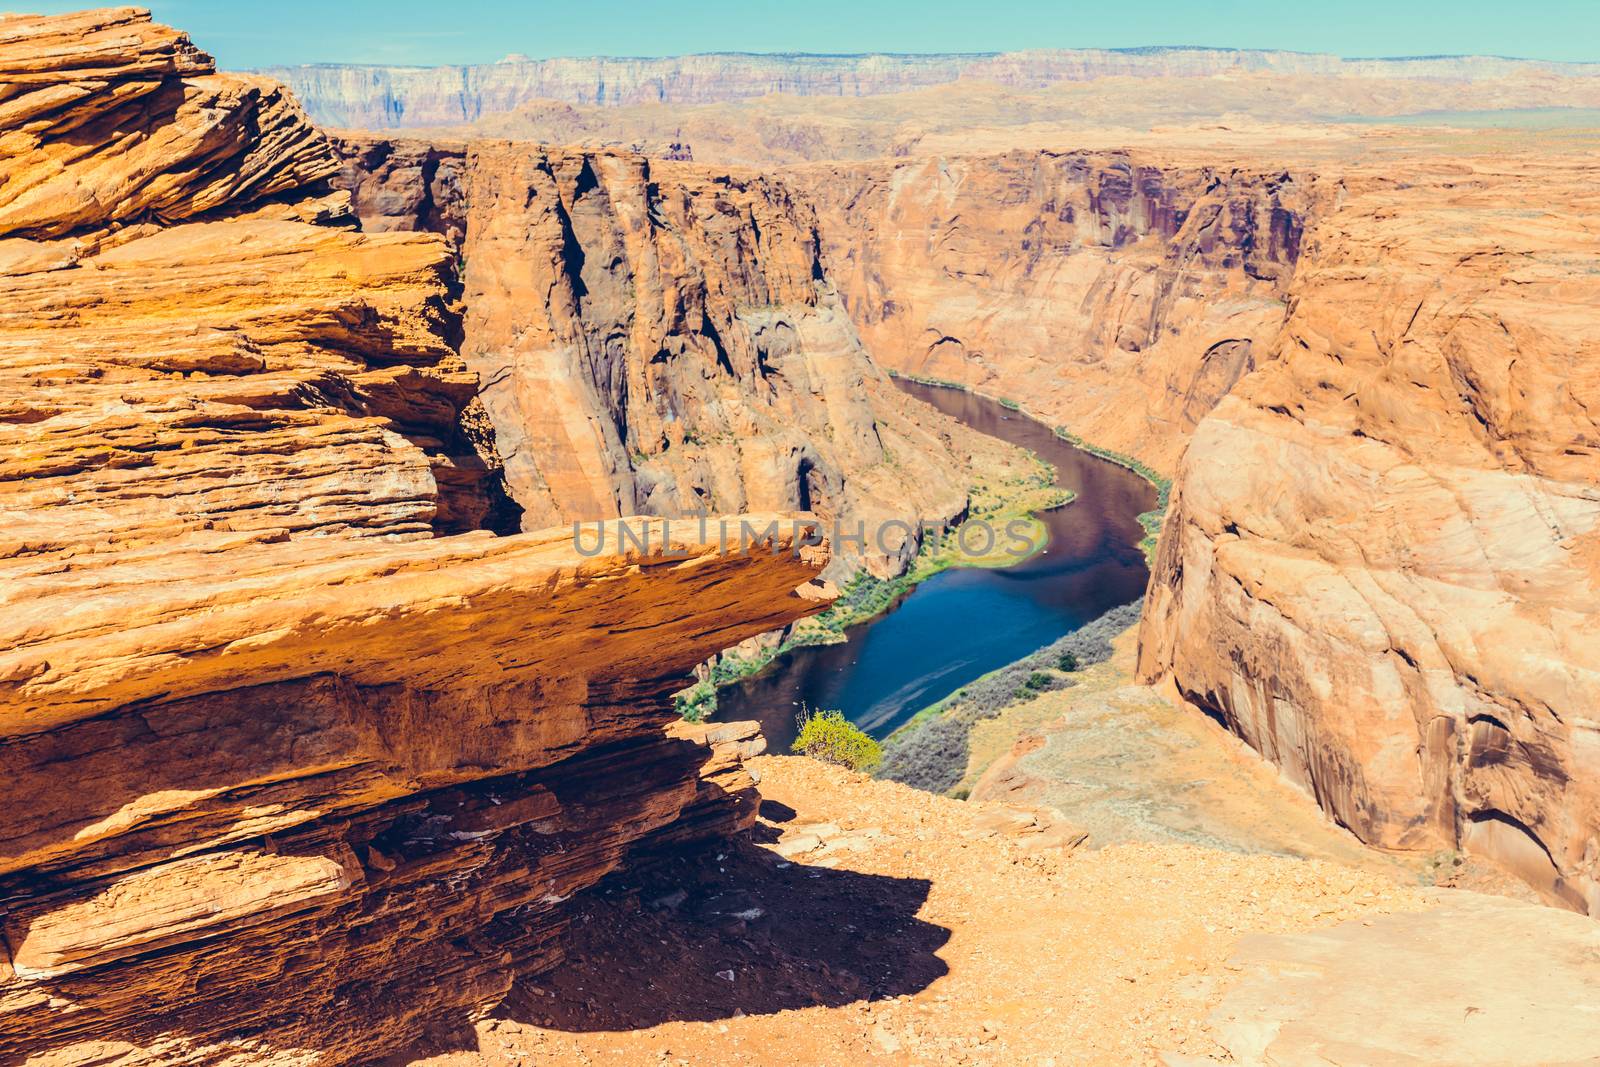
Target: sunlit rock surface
point(663, 338)
point(300, 758)
point(1381, 563)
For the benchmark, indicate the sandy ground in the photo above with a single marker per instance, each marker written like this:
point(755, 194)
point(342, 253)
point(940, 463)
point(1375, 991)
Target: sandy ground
point(1127, 762)
point(874, 923)
point(868, 922)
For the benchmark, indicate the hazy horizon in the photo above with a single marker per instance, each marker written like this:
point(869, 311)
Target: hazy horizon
point(976, 53)
point(421, 33)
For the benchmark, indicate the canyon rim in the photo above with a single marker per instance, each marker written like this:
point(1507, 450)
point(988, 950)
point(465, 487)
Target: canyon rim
point(326, 739)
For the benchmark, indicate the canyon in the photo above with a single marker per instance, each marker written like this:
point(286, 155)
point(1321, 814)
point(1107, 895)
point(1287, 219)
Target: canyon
point(653, 339)
point(326, 740)
point(1118, 294)
point(1377, 566)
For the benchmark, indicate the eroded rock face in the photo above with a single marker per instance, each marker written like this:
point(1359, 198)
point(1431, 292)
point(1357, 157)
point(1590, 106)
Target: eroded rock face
point(659, 338)
point(143, 358)
point(289, 775)
point(333, 797)
point(1113, 295)
point(1381, 564)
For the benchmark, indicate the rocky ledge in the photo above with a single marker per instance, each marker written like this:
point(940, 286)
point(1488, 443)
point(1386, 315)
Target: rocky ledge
point(300, 758)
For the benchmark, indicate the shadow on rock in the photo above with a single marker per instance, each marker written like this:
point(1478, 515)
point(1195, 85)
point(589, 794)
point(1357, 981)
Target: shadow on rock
point(740, 931)
point(775, 811)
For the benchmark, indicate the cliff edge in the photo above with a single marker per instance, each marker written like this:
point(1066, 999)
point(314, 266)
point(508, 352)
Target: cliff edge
point(300, 758)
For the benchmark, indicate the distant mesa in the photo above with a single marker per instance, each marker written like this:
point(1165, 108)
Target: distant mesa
point(378, 97)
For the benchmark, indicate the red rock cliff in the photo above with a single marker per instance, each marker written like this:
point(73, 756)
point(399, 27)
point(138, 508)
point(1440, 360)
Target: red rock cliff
point(288, 775)
point(1381, 567)
point(1116, 295)
point(659, 338)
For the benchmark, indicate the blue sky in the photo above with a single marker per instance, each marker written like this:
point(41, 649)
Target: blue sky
point(250, 34)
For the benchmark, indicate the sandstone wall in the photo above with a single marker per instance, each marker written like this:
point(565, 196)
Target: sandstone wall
point(1382, 564)
point(660, 338)
point(289, 775)
point(139, 353)
point(1112, 294)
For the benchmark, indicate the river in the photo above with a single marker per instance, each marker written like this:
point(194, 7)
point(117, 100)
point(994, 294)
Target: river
point(967, 621)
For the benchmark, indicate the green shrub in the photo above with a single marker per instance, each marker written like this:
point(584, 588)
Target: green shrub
point(1039, 682)
point(697, 703)
point(1068, 661)
point(831, 738)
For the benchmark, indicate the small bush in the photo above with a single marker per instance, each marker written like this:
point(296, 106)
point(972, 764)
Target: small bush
point(697, 703)
point(1068, 661)
point(831, 738)
point(1040, 682)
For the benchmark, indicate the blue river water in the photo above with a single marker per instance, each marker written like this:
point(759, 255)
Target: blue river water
point(965, 622)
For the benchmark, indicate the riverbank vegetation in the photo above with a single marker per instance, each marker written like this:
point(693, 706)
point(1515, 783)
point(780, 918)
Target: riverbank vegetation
point(1006, 503)
point(1151, 520)
point(1013, 496)
point(930, 750)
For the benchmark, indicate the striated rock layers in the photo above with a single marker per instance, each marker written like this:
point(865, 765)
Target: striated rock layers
point(382, 97)
point(1382, 562)
point(288, 775)
point(136, 352)
point(1113, 294)
point(657, 338)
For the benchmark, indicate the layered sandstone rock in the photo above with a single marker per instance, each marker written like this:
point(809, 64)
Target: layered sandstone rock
point(1381, 564)
point(139, 356)
point(660, 338)
point(289, 775)
point(103, 124)
point(1115, 295)
point(327, 797)
point(379, 97)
